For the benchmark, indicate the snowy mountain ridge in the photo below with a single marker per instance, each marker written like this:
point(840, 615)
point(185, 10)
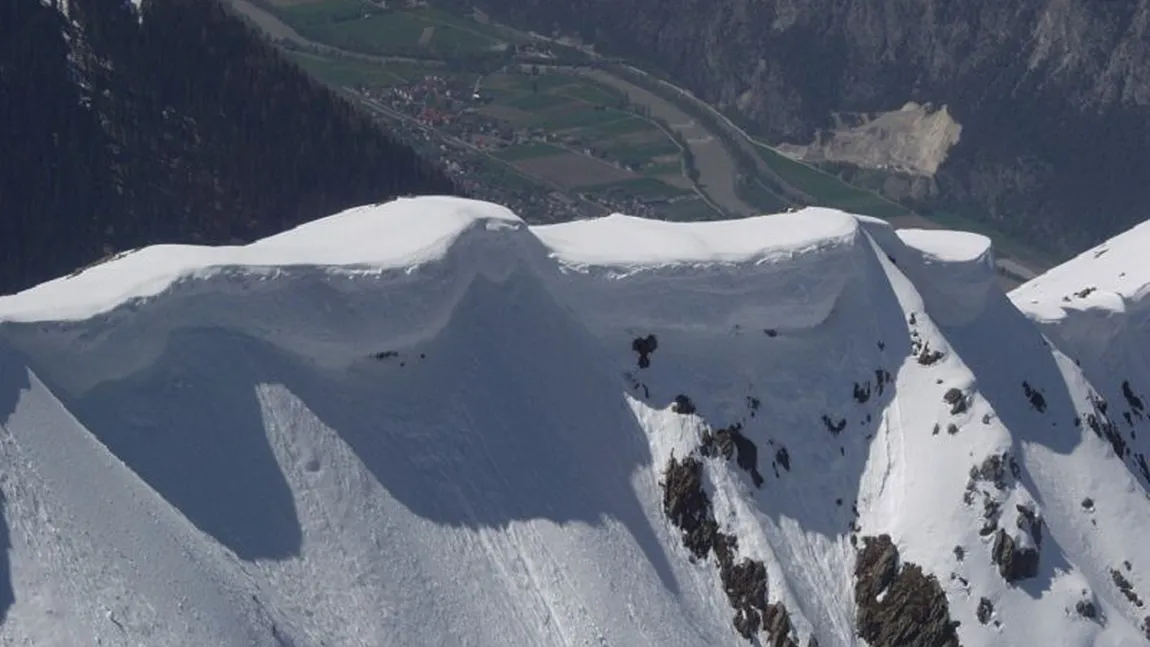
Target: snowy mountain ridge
point(425, 422)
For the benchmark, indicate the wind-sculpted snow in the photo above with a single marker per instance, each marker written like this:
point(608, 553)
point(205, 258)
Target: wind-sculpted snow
point(1097, 305)
point(425, 422)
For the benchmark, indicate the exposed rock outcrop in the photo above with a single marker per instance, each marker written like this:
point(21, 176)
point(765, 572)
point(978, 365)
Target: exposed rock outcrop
point(898, 604)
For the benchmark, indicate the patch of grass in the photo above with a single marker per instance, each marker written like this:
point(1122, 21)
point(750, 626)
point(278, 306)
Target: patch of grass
point(666, 168)
point(689, 210)
point(453, 41)
point(496, 173)
point(527, 151)
point(828, 190)
point(460, 23)
point(641, 153)
point(758, 196)
point(542, 82)
point(338, 72)
point(579, 118)
point(532, 102)
point(614, 128)
point(363, 27)
point(589, 93)
point(646, 186)
point(327, 12)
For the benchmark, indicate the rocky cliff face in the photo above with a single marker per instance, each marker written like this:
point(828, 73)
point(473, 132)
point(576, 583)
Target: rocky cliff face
point(1053, 96)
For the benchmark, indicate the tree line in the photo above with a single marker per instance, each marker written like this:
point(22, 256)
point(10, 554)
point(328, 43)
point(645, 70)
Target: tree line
point(182, 126)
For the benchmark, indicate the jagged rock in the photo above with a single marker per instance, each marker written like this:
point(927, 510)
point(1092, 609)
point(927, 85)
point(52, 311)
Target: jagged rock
point(1014, 564)
point(1140, 461)
point(745, 584)
point(385, 354)
point(1036, 399)
point(1126, 588)
point(862, 392)
point(833, 426)
point(1099, 422)
point(1086, 609)
point(992, 470)
point(683, 405)
point(777, 623)
point(686, 504)
point(1031, 523)
point(1132, 400)
point(928, 357)
point(771, 332)
point(985, 610)
point(729, 442)
point(644, 346)
point(959, 553)
point(913, 611)
point(783, 458)
point(957, 401)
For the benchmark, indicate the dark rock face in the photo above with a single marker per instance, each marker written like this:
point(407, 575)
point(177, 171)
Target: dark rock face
point(1086, 609)
point(778, 626)
point(985, 610)
point(1126, 587)
point(957, 400)
point(1036, 399)
point(687, 506)
point(1013, 563)
point(730, 442)
point(683, 405)
point(913, 611)
point(644, 346)
point(1030, 82)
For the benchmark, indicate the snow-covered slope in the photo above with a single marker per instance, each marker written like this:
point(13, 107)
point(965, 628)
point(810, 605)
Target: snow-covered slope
point(425, 423)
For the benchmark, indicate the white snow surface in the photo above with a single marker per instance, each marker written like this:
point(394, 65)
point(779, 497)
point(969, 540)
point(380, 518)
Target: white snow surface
point(423, 423)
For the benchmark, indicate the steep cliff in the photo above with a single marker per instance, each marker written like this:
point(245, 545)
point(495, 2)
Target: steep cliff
point(1052, 96)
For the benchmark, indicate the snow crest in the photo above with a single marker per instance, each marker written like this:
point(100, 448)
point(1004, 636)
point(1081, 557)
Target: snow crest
point(427, 422)
point(386, 276)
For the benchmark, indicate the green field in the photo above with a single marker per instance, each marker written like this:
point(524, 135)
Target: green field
point(828, 190)
point(338, 72)
point(527, 151)
point(688, 210)
point(758, 196)
point(646, 187)
point(363, 27)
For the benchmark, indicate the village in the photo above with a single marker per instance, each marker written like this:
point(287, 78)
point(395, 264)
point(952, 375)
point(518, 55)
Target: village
point(451, 122)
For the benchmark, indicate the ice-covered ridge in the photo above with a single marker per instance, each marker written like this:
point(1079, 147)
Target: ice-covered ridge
point(954, 271)
point(630, 243)
point(428, 240)
point(351, 273)
point(1113, 276)
point(1096, 304)
point(402, 234)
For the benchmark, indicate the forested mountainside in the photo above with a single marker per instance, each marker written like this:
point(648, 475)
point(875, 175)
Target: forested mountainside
point(181, 125)
point(1053, 96)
